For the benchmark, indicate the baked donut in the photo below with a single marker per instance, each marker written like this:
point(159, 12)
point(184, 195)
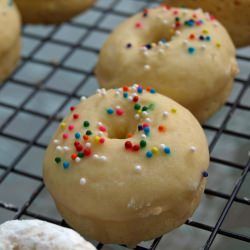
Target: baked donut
point(51, 11)
point(10, 43)
point(233, 14)
point(184, 54)
point(39, 235)
point(127, 165)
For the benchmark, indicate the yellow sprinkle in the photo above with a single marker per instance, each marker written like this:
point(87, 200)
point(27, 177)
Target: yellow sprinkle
point(205, 32)
point(97, 138)
point(171, 32)
point(62, 125)
point(173, 110)
point(155, 150)
point(218, 45)
point(139, 111)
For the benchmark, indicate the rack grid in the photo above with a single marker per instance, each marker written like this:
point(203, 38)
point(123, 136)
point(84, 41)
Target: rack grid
point(56, 68)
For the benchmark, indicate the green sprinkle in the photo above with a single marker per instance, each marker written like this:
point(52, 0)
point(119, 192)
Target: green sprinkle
point(137, 106)
point(58, 160)
point(88, 132)
point(143, 144)
point(86, 124)
point(151, 106)
point(81, 154)
point(144, 108)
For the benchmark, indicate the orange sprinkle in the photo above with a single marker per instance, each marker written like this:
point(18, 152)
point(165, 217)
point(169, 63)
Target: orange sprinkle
point(125, 88)
point(73, 156)
point(129, 135)
point(162, 128)
point(192, 36)
point(85, 138)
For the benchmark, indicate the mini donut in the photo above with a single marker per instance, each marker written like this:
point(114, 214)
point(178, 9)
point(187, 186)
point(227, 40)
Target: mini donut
point(233, 14)
point(184, 54)
point(10, 43)
point(126, 165)
point(51, 11)
point(39, 235)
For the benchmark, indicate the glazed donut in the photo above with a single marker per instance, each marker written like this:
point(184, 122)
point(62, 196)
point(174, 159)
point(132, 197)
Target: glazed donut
point(183, 54)
point(10, 43)
point(126, 165)
point(51, 11)
point(39, 235)
point(233, 14)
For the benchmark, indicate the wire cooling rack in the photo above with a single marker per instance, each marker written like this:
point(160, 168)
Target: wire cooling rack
point(56, 68)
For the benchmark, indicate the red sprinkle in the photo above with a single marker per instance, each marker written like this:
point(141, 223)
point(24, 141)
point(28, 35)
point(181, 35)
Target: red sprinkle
point(79, 148)
point(136, 147)
point(145, 125)
point(87, 151)
point(119, 112)
point(138, 25)
point(128, 145)
point(75, 116)
point(136, 98)
point(76, 143)
point(73, 156)
point(65, 136)
point(101, 140)
point(72, 108)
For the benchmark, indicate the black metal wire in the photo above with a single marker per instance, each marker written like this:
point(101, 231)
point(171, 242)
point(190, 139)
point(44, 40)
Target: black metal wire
point(219, 131)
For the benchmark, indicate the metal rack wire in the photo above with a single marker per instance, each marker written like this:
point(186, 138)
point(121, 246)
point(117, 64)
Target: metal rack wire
point(67, 62)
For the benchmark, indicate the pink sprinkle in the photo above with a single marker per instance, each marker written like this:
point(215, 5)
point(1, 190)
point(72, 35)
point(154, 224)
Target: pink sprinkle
point(138, 25)
point(102, 128)
point(212, 18)
point(71, 127)
point(65, 136)
point(119, 112)
point(199, 22)
point(102, 140)
point(145, 125)
point(176, 12)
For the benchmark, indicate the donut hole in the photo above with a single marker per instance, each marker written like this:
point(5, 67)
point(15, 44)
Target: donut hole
point(118, 133)
point(165, 36)
point(121, 127)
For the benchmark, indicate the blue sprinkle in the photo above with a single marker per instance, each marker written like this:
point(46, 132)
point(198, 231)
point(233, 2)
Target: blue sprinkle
point(77, 135)
point(208, 38)
point(146, 130)
point(139, 90)
point(149, 154)
point(110, 111)
point(167, 150)
point(191, 50)
point(163, 40)
point(65, 165)
point(205, 174)
point(152, 91)
point(125, 95)
point(190, 23)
